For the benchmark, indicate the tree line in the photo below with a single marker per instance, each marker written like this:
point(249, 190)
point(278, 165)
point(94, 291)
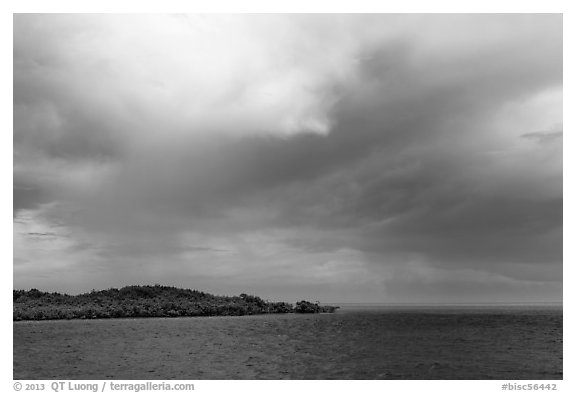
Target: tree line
point(147, 301)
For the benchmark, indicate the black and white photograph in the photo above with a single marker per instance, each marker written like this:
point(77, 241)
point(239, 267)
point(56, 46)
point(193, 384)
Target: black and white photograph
point(288, 196)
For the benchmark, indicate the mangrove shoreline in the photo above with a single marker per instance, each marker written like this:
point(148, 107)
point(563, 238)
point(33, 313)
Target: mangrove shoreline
point(145, 302)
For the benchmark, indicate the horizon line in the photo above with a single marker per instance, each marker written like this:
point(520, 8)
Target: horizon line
point(503, 303)
point(383, 303)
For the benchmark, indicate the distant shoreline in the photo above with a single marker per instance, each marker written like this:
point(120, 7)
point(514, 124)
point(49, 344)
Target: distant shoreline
point(503, 304)
point(147, 302)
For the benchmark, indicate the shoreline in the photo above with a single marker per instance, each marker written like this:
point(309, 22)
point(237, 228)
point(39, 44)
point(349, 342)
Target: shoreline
point(23, 321)
point(148, 302)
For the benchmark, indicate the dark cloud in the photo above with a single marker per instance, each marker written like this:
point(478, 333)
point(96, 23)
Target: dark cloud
point(27, 197)
point(543, 137)
point(385, 150)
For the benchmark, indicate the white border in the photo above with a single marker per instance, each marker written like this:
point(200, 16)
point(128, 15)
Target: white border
point(356, 6)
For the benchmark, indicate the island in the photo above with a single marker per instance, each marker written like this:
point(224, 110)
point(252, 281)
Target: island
point(138, 301)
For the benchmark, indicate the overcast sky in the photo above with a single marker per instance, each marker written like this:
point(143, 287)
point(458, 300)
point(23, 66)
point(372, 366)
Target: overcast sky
point(351, 158)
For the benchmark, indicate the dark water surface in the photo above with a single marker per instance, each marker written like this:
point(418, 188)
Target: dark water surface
point(354, 343)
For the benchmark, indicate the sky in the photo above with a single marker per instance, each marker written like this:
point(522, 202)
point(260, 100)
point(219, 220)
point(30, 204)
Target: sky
point(339, 158)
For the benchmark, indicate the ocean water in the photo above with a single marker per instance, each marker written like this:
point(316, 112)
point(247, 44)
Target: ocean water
point(356, 342)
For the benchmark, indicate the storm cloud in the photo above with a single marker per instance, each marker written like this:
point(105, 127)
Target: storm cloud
point(383, 158)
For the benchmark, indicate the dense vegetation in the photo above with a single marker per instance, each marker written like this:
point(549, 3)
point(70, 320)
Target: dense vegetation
point(146, 301)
